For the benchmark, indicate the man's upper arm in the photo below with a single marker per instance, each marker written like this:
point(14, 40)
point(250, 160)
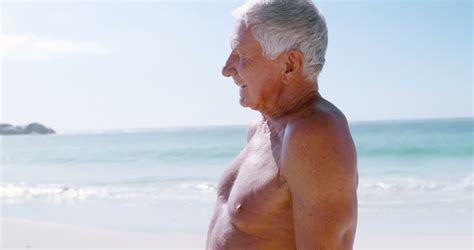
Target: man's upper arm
point(319, 164)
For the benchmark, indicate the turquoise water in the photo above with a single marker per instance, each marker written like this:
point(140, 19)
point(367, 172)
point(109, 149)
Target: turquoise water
point(416, 177)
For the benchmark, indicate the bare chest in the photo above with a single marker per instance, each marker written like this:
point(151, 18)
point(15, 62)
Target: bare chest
point(256, 195)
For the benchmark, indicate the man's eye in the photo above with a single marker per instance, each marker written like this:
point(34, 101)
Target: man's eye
point(237, 52)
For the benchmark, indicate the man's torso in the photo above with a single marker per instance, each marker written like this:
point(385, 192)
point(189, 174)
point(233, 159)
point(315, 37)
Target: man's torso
point(254, 207)
point(253, 210)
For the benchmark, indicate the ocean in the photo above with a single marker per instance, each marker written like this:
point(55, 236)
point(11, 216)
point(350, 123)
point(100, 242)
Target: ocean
point(415, 177)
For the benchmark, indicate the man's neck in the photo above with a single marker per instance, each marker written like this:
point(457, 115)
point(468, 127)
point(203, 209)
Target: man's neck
point(292, 103)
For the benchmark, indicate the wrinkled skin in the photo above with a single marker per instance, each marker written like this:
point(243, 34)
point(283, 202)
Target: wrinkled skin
point(293, 186)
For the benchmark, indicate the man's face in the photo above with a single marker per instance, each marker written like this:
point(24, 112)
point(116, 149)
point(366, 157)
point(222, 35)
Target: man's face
point(258, 78)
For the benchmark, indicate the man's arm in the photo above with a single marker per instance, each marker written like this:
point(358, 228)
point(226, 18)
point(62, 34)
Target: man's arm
point(319, 164)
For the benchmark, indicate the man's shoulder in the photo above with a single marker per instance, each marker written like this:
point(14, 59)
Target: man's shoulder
point(324, 122)
point(320, 140)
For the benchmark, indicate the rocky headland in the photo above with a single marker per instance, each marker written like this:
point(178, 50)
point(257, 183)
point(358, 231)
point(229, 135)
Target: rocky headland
point(32, 128)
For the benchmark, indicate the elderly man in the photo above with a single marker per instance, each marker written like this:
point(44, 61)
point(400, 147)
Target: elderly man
point(294, 184)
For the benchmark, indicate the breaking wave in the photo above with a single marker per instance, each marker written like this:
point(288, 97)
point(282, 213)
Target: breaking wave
point(21, 192)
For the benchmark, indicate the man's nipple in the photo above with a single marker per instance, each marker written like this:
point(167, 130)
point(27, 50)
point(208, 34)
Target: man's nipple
point(238, 208)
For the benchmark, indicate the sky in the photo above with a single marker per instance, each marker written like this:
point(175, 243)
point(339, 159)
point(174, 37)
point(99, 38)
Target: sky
point(101, 65)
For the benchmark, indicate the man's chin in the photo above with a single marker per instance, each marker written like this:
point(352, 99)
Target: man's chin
point(245, 104)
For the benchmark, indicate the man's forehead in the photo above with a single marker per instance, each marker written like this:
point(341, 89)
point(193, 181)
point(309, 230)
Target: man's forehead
point(242, 38)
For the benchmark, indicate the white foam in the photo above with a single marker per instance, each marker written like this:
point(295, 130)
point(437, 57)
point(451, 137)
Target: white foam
point(464, 185)
point(206, 187)
point(21, 192)
point(405, 184)
point(383, 189)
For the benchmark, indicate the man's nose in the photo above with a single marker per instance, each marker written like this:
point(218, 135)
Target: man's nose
point(229, 69)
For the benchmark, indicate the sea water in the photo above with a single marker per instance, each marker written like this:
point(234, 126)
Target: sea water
point(415, 177)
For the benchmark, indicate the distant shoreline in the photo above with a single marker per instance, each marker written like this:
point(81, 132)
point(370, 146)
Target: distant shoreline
point(30, 129)
point(167, 128)
point(414, 120)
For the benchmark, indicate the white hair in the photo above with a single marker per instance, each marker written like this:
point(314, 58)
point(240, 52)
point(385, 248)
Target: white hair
point(282, 25)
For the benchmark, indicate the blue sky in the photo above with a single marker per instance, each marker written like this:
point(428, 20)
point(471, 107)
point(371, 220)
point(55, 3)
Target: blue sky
point(106, 65)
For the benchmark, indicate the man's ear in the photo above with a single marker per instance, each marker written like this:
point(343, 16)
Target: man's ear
point(294, 61)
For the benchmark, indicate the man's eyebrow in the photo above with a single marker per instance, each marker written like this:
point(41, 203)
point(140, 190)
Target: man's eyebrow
point(234, 42)
point(234, 45)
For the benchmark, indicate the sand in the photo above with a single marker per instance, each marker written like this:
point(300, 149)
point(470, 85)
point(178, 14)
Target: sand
point(25, 234)
point(438, 242)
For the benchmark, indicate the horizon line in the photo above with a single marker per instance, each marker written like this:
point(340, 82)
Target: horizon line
point(136, 129)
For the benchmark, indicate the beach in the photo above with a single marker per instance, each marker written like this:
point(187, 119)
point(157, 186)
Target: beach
point(156, 188)
point(25, 234)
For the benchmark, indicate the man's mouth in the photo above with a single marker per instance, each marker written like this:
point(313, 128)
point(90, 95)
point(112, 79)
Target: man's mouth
point(240, 84)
